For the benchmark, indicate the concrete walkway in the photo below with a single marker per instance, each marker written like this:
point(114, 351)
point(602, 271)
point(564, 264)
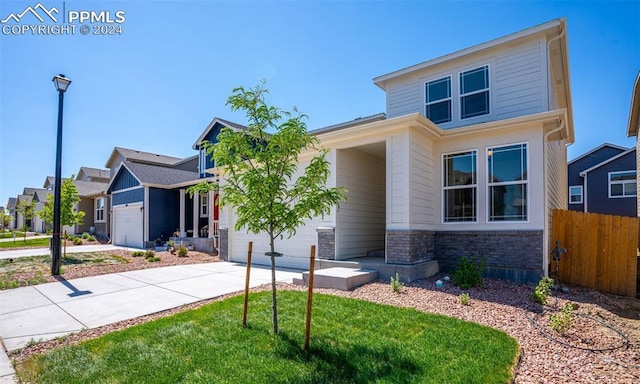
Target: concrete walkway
point(46, 311)
point(16, 253)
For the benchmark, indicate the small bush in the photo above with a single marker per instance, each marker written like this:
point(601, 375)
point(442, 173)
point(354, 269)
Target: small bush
point(465, 298)
point(469, 272)
point(86, 236)
point(77, 241)
point(182, 251)
point(542, 291)
point(153, 259)
point(396, 284)
point(149, 254)
point(137, 253)
point(563, 320)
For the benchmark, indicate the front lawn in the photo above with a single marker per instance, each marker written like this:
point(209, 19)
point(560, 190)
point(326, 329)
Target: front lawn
point(352, 341)
point(9, 235)
point(29, 242)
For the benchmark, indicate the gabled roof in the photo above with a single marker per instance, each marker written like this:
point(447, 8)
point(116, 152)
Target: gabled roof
point(40, 195)
point(153, 175)
point(93, 173)
point(351, 123)
point(216, 120)
point(133, 155)
point(29, 190)
point(609, 160)
point(618, 147)
point(25, 198)
point(11, 203)
point(634, 111)
point(51, 181)
point(90, 188)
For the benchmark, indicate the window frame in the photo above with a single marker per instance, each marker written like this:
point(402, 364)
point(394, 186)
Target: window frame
point(525, 182)
point(581, 194)
point(97, 210)
point(449, 98)
point(445, 188)
point(204, 205)
point(622, 182)
point(461, 95)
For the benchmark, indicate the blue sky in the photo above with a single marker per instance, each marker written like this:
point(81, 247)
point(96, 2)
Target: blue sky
point(156, 86)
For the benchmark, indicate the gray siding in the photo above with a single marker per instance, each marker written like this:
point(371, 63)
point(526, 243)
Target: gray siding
point(405, 98)
point(598, 200)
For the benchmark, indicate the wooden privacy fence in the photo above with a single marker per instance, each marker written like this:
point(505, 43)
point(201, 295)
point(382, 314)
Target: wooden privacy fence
point(601, 251)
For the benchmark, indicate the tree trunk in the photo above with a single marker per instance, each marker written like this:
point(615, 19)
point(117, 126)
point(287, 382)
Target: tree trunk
point(274, 302)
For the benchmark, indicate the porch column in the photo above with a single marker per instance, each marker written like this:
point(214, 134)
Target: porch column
point(211, 209)
point(196, 214)
point(182, 214)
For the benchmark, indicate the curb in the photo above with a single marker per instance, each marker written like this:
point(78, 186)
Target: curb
point(7, 373)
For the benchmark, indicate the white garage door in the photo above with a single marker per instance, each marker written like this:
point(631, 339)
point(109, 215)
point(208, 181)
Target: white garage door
point(127, 227)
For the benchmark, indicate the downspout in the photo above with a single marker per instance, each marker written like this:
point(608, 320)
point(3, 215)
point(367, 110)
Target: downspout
point(545, 233)
point(584, 191)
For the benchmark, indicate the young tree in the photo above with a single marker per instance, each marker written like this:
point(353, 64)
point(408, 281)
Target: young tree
point(27, 211)
point(259, 171)
point(68, 200)
point(3, 219)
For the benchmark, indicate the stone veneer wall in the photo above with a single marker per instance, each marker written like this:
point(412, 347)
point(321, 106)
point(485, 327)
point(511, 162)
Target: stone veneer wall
point(326, 243)
point(223, 252)
point(511, 255)
point(409, 246)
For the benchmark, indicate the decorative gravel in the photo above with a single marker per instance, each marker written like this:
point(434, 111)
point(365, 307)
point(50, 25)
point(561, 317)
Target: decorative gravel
point(546, 356)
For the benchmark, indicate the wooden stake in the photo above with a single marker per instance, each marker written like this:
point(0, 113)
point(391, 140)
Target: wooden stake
point(312, 264)
point(246, 285)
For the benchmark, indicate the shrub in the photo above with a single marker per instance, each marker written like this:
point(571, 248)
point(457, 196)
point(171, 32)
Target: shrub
point(137, 253)
point(542, 291)
point(77, 241)
point(563, 320)
point(469, 272)
point(149, 254)
point(465, 298)
point(86, 235)
point(152, 259)
point(396, 284)
point(182, 251)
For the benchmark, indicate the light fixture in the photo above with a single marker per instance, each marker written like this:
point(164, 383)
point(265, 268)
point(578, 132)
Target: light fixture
point(61, 82)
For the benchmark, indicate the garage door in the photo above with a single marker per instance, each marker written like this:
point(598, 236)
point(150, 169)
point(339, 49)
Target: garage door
point(127, 227)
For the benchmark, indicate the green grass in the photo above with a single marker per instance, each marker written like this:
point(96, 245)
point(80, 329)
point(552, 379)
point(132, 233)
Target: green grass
point(21, 243)
point(352, 341)
point(9, 235)
point(24, 271)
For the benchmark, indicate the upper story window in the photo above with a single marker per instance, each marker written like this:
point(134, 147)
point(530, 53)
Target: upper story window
point(507, 183)
point(474, 92)
point(100, 209)
point(575, 194)
point(460, 186)
point(204, 205)
point(622, 184)
point(438, 98)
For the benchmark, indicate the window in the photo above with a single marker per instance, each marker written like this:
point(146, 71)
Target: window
point(622, 184)
point(575, 194)
point(99, 209)
point(438, 97)
point(204, 205)
point(507, 173)
point(474, 92)
point(459, 189)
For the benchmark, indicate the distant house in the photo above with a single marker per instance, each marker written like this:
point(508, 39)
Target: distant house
point(149, 200)
point(633, 129)
point(603, 180)
point(11, 211)
point(469, 159)
point(40, 199)
point(25, 198)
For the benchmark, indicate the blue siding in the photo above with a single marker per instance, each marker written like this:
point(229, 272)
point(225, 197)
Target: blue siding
point(164, 213)
point(123, 180)
point(598, 200)
point(211, 136)
point(127, 197)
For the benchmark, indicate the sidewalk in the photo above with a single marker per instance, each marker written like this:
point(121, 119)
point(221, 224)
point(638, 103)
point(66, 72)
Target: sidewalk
point(46, 311)
point(16, 253)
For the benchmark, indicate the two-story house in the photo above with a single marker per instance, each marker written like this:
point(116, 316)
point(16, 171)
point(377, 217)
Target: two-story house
point(603, 180)
point(633, 130)
point(470, 160)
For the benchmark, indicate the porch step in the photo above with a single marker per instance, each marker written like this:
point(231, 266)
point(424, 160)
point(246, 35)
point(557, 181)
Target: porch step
point(338, 278)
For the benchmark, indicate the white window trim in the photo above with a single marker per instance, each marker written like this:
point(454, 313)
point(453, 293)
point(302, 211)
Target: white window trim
point(581, 194)
point(204, 204)
point(621, 182)
point(461, 95)
point(489, 184)
point(104, 210)
point(442, 205)
point(450, 98)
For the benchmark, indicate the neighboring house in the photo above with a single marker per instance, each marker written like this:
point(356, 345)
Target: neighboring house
point(470, 160)
point(633, 129)
point(149, 200)
point(11, 211)
point(603, 180)
point(40, 199)
point(25, 198)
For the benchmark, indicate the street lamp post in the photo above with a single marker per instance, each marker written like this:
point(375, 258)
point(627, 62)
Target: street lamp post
point(62, 83)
